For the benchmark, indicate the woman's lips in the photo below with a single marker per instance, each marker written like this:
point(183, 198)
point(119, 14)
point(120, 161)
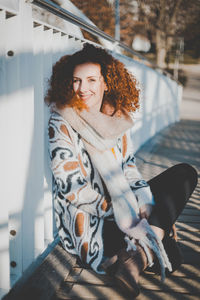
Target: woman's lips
point(84, 97)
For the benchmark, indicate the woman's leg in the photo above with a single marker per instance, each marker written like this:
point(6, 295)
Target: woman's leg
point(113, 238)
point(171, 190)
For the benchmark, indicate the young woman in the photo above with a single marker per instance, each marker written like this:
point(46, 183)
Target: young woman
point(106, 214)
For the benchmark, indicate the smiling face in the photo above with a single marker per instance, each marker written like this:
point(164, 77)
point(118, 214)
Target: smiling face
point(89, 84)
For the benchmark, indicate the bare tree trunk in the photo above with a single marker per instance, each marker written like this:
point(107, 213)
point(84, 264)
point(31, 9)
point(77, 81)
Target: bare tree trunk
point(161, 50)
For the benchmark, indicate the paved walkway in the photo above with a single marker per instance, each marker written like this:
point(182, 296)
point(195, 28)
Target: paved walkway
point(190, 108)
point(178, 143)
point(60, 277)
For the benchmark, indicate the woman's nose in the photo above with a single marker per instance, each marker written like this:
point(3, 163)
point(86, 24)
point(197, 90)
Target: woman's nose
point(83, 86)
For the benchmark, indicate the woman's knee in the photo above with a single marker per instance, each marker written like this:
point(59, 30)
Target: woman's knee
point(189, 171)
point(175, 177)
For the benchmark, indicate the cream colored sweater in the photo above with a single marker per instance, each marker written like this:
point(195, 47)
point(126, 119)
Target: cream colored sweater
point(81, 199)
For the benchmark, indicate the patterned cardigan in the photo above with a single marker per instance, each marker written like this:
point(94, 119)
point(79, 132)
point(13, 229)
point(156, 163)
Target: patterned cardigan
point(81, 198)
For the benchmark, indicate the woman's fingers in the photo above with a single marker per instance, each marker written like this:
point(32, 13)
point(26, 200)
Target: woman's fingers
point(143, 215)
point(145, 211)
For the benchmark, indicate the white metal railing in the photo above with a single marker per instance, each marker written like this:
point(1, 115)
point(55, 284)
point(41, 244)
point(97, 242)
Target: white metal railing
point(68, 16)
point(28, 49)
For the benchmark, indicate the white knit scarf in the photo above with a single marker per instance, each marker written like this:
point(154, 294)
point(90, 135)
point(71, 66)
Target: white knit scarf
point(100, 133)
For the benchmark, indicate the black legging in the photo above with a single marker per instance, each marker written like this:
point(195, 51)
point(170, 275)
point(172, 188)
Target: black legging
point(171, 190)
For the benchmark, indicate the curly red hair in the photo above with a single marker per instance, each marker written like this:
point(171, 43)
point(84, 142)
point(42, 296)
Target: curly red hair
point(122, 93)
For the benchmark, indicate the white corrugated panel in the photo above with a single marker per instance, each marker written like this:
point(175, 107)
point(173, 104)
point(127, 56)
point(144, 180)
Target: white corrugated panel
point(56, 46)
point(48, 204)
point(74, 44)
point(29, 132)
point(11, 5)
point(4, 171)
point(39, 136)
point(14, 181)
point(65, 44)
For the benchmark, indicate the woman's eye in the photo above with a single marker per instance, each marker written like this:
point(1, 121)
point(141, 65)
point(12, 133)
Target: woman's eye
point(92, 80)
point(76, 80)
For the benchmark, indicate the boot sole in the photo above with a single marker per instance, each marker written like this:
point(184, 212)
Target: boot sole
point(132, 290)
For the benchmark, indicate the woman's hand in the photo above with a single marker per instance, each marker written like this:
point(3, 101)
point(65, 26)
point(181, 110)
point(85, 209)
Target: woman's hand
point(107, 109)
point(145, 211)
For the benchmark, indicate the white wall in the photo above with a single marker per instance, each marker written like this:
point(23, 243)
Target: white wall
point(26, 215)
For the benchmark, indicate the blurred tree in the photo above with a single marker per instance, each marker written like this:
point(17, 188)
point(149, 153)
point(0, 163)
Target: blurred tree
point(99, 12)
point(192, 37)
point(102, 13)
point(167, 20)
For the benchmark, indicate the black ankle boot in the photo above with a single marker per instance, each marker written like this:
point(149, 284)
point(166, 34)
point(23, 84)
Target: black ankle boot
point(127, 268)
point(174, 254)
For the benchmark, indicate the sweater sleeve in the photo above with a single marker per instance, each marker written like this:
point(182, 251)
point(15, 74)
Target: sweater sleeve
point(138, 185)
point(70, 176)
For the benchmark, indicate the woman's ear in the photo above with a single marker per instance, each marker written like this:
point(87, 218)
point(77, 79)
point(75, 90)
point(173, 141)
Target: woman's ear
point(105, 87)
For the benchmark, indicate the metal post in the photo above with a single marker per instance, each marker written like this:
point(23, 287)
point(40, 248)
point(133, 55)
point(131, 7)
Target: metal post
point(178, 56)
point(117, 20)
